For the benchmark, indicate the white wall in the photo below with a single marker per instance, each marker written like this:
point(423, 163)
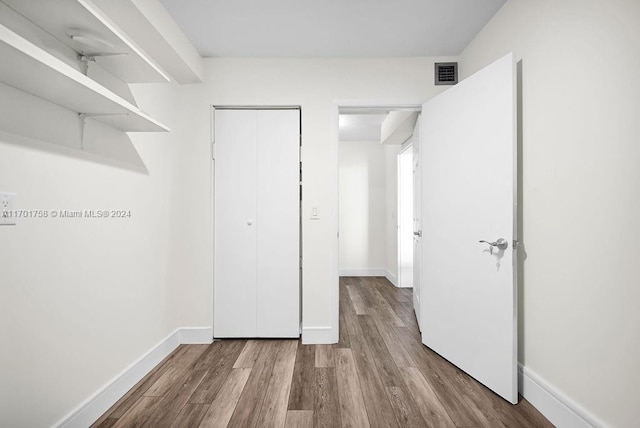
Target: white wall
point(315, 84)
point(82, 299)
point(579, 311)
point(368, 209)
point(362, 206)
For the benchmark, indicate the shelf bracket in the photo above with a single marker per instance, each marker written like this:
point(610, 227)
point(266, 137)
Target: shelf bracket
point(84, 62)
point(83, 121)
point(86, 59)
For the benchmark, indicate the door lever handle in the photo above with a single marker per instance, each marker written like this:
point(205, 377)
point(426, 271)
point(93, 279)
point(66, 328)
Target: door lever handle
point(501, 243)
point(418, 233)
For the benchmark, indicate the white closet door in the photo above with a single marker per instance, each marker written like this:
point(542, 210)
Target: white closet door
point(236, 136)
point(278, 227)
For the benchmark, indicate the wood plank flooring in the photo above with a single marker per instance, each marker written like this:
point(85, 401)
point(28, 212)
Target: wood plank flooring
point(378, 375)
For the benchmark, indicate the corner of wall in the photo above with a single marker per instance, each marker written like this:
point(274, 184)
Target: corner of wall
point(319, 335)
point(95, 406)
point(561, 410)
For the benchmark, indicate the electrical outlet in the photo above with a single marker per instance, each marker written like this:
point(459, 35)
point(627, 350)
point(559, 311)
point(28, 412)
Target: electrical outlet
point(6, 207)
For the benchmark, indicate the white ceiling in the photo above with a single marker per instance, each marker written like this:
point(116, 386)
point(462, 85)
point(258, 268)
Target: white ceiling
point(331, 28)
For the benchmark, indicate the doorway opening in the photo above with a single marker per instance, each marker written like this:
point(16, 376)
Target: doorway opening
point(468, 302)
point(373, 145)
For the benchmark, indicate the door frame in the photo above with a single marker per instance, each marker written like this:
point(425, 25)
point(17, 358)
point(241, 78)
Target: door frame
point(212, 183)
point(336, 106)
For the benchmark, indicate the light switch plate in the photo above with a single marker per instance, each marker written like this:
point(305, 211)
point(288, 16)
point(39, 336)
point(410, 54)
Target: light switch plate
point(7, 204)
point(315, 212)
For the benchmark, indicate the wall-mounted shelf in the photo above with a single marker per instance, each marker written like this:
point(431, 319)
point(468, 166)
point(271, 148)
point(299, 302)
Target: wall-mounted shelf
point(29, 68)
point(94, 36)
point(155, 31)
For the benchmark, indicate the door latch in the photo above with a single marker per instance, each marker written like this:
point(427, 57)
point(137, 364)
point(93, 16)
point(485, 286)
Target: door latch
point(501, 243)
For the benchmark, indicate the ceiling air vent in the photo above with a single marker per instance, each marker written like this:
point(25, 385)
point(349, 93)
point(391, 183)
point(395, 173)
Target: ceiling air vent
point(446, 73)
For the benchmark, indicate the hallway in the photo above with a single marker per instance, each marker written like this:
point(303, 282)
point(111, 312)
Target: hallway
point(379, 374)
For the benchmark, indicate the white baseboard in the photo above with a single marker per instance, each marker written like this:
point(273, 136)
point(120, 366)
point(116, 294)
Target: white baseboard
point(371, 272)
point(553, 404)
point(561, 411)
point(363, 272)
point(319, 335)
point(391, 277)
point(94, 407)
point(196, 335)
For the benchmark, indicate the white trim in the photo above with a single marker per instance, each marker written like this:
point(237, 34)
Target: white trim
point(319, 335)
point(95, 406)
point(407, 145)
point(561, 410)
point(371, 272)
point(363, 272)
point(391, 277)
point(334, 175)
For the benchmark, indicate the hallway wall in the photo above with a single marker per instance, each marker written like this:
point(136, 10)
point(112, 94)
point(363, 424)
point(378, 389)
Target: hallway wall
point(368, 209)
point(362, 206)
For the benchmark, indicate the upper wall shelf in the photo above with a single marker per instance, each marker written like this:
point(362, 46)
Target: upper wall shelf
point(81, 25)
point(27, 67)
point(154, 30)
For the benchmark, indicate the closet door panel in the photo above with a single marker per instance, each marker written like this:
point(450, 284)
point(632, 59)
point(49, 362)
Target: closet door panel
point(235, 223)
point(278, 228)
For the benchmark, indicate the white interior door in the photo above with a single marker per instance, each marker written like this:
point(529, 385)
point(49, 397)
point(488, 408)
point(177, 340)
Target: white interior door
point(257, 223)
point(405, 218)
point(278, 227)
point(417, 232)
point(468, 290)
point(236, 134)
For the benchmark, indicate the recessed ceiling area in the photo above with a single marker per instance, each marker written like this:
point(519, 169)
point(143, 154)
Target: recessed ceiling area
point(331, 28)
point(368, 125)
point(360, 127)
